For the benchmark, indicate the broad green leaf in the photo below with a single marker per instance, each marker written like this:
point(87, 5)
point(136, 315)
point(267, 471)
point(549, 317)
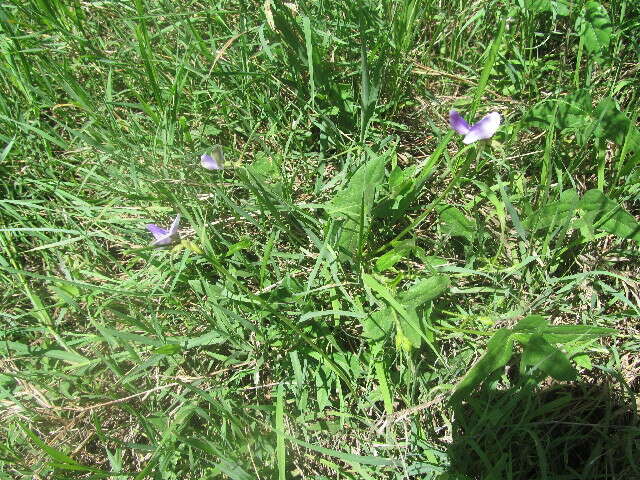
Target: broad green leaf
point(71, 358)
point(531, 323)
point(266, 174)
point(168, 349)
point(559, 7)
point(400, 181)
point(378, 325)
point(384, 292)
point(400, 250)
point(383, 385)
point(412, 325)
point(425, 291)
point(595, 27)
point(614, 125)
point(538, 325)
point(543, 356)
point(570, 111)
point(353, 204)
point(238, 246)
point(403, 342)
point(571, 333)
point(554, 214)
point(347, 202)
point(538, 5)
point(414, 329)
point(402, 192)
point(210, 338)
point(609, 216)
point(499, 351)
point(455, 223)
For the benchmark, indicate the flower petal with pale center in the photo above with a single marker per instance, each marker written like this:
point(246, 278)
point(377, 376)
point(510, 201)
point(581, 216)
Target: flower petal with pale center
point(165, 237)
point(484, 129)
point(481, 130)
point(213, 161)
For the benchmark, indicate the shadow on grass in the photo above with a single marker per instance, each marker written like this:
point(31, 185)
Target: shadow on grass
point(563, 431)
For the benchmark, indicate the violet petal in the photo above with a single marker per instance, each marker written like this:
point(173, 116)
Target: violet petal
point(164, 241)
point(213, 161)
point(484, 129)
point(165, 237)
point(156, 230)
point(458, 123)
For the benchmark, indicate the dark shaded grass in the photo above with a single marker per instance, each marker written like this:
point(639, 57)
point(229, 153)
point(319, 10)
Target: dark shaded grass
point(571, 431)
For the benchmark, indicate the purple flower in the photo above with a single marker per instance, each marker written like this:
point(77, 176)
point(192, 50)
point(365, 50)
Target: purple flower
point(215, 161)
point(482, 130)
point(164, 237)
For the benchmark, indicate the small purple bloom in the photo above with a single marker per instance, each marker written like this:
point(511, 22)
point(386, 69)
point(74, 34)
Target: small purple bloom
point(482, 130)
point(213, 161)
point(164, 237)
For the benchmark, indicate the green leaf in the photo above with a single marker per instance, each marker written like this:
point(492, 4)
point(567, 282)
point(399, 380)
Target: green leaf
point(168, 349)
point(609, 216)
point(347, 202)
point(400, 251)
point(614, 125)
point(400, 181)
point(595, 27)
point(266, 174)
point(413, 326)
point(570, 111)
point(538, 325)
point(378, 325)
point(531, 323)
point(455, 223)
point(559, 7)
point(538, 5)
point(540, 354)
point(381, 375)
point(402, 193)
point(572, 333)
point(403, 342)
point(499, 351)
point(344, 456)
point(353, 204)
point(425, 291)
point(414, 329)
point(71, 358)
point(238, 246)
point(210, 338)
point(554, 214)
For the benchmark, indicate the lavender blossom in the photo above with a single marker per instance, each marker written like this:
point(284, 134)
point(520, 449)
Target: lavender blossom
point(164, 237)
point(214, 161)
point(482, 130)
